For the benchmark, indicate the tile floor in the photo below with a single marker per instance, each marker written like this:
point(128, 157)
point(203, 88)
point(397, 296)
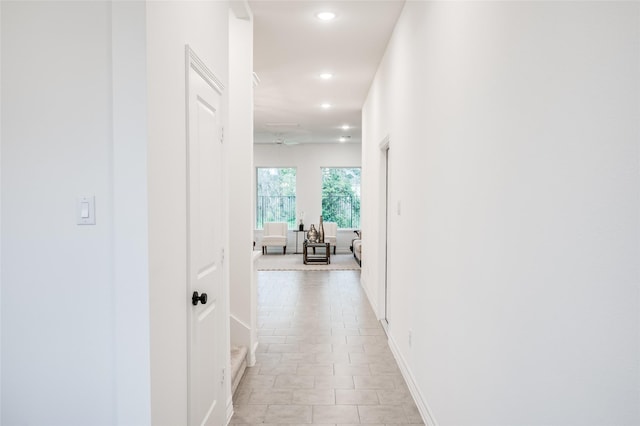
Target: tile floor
point(323, 357)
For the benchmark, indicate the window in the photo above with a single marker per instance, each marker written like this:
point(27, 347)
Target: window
point(341, 196)
point(276, 190)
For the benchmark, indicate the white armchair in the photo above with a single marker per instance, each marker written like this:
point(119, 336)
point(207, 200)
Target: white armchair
point(331, 234)
point(274, 235)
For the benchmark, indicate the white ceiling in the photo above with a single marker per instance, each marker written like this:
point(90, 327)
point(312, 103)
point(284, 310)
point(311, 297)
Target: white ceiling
point(292, 48)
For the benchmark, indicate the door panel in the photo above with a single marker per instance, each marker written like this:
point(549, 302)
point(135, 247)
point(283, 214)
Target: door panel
point(204, 250)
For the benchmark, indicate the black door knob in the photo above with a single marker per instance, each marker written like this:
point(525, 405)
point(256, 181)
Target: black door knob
point(195, 298)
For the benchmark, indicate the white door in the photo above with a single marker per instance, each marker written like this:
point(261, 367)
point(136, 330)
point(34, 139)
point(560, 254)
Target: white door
point(204, 247)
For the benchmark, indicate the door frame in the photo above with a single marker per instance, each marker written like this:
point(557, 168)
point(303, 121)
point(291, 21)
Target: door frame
point(383, 209)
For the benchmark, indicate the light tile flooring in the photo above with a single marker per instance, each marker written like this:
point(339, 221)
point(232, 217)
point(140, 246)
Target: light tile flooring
point(323, 357)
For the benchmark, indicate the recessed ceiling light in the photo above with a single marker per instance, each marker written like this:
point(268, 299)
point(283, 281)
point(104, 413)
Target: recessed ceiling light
point(345, 127)
point(326, 75)
point(326, 16)
point(326, 106)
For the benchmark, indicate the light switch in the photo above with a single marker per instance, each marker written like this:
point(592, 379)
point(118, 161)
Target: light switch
point(86, 210)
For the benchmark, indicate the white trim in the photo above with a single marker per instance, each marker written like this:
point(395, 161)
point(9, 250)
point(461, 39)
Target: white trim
point(385, 325)
point(194, 62)
point(384, 143)
point(383, 230)
point(240, 323)
point(251, 362)
point(241, 9)
point(229, 409)
point(423, 407)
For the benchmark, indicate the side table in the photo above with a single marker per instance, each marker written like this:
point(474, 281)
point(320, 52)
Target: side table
point(320, 253)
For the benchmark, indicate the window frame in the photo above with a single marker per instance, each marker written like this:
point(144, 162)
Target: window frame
point(261, 219)
point(357, 200)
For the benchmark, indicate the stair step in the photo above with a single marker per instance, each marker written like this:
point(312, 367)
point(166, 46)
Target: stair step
point(238, 365)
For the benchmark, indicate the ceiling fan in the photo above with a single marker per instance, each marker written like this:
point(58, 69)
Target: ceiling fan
point(280, 140)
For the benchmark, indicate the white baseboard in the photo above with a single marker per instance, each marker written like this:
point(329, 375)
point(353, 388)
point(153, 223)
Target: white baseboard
point(229, 409)
point(252, 355)
point(423, 407)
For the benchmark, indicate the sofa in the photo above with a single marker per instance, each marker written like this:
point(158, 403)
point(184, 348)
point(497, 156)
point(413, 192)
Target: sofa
point(356, 247)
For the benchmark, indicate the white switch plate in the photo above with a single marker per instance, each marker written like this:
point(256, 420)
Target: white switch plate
point(81, 210)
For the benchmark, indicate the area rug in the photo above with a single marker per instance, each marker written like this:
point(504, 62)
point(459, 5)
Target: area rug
point(293, 262)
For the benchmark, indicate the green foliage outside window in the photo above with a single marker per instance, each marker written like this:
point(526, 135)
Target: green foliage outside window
point(276, 196)
point(341, 196)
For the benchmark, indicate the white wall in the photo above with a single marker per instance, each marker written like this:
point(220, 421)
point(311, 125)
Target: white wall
point(171, 25)
point(93, 104)
point(130, 239)
point(58, 308)
point(514, 139)
point(239, 146)
point(307, 160)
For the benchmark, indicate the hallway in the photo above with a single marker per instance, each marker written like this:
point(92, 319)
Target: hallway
point(323, 358)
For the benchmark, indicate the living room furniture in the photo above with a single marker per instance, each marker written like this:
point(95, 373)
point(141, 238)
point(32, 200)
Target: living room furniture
point(274, 235)
point(331, 234)
point(356, 247)
point(316, 252)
